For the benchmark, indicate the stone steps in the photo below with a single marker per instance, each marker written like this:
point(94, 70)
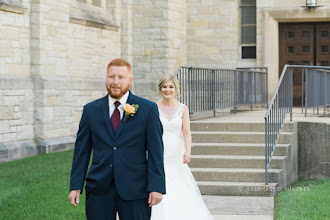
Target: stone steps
point(237, 188)
point(234, 126)
point(228, 159)
point(236, 149)
point(234, 161)
point(235, 137)
point(235, 174)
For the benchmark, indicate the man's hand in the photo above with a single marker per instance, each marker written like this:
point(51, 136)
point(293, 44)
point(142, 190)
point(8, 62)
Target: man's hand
point(154, 198)
point(74, 197)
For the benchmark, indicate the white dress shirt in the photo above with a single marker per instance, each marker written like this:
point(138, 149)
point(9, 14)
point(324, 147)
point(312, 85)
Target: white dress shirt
point(122, 101)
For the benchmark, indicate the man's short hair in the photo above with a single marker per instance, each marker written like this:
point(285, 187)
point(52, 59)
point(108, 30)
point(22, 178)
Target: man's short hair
point(120, 62)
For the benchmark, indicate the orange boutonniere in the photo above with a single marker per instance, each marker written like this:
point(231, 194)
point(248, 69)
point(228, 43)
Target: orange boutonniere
point(130, 110)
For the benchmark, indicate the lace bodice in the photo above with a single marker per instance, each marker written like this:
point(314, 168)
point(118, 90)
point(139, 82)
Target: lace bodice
point(171, 118)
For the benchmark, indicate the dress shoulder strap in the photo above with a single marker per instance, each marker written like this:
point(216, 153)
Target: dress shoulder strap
point(181, 110)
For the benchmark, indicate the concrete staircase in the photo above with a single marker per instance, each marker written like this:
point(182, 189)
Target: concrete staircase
point(228, 158)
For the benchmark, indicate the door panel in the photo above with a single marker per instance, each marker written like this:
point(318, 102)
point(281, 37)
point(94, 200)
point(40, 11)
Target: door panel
point(296, 48)
point(303, 44)
point(322, 44)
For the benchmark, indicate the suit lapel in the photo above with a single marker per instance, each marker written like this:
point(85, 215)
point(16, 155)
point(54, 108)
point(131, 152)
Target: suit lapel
point(106, 115)
point(130, 100)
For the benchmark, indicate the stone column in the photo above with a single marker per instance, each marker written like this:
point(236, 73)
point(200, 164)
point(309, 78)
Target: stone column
point(49, 68)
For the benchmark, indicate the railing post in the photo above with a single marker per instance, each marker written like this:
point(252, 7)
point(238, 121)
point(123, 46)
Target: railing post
point(267, 86)
point(302, 91)
point(325, 91)
point(306, 90)
point(213, 92)
point(291, 92)
point(266, 152)
point(235, 91)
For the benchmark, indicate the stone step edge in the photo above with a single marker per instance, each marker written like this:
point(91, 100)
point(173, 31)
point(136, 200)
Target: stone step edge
point(237, 132)
point(235, 145)
point(235, 157)
point(234, 170)
point(239, 184)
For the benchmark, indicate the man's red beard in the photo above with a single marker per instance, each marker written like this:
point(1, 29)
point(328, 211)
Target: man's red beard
point(118, 96)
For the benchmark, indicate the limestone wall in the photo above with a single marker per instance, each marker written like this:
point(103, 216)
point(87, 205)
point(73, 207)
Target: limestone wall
point(213, 33)
point(177, 16)
point(53, 60)
point(16, 87)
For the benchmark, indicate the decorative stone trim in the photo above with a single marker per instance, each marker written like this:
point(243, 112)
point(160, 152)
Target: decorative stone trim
point(90, 15)
point(67, 83)
point(12, 6)
point(17, 150)
point(55, 145)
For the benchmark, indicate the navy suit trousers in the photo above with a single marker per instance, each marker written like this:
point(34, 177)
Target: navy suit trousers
point(105, 206)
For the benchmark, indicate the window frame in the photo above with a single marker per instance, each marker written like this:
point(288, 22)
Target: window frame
point(246, 45)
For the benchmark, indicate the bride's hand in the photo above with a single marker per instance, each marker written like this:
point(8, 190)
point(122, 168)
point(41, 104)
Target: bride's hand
point(186, 157)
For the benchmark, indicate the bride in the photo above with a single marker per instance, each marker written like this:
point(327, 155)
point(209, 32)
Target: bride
point(183, 200)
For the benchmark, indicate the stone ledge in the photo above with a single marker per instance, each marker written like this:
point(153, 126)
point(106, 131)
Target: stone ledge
point(89, 15)
point(17, 150)
point(15, 82)
point(46, 83)
point(12, 6)
point(55, 145)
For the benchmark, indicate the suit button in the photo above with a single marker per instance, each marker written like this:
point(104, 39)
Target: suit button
point(110, 165)
point(114, 148)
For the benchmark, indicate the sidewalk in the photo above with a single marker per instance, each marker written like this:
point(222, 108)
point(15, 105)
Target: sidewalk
point(257, 115)
point(240, 208)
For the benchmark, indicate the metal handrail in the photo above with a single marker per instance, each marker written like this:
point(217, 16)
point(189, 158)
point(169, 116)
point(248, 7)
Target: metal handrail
point(207, 89)
point(279, 106)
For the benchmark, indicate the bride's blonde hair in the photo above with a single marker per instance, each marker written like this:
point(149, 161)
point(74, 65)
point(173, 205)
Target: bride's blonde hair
point(167, 78)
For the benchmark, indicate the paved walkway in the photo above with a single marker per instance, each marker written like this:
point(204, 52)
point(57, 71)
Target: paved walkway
point(240, 208)
point(257, 115)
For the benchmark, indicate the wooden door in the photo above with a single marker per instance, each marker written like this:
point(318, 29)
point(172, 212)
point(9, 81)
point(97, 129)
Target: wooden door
point(303, 44)
point(322, 44)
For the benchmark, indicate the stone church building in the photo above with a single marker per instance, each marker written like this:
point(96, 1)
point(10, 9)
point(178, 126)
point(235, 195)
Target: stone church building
point(53, 54)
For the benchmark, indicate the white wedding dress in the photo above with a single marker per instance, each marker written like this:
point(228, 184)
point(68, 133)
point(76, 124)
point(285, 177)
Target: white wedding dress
point(183, 200)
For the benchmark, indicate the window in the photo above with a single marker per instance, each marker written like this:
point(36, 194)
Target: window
point(290, 49)
point(324, 34)
point(324, 63)
point(249, 52)
point(305, 63)
point(305, 49)
point(291, 35)
point(248, 29)
point(305, 35)
point(324, 49)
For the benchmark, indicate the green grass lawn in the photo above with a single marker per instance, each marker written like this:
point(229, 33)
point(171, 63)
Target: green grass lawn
point(38, 188)
point(304, 200)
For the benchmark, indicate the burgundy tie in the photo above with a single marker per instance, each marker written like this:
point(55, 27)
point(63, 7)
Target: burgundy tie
point(115, 118)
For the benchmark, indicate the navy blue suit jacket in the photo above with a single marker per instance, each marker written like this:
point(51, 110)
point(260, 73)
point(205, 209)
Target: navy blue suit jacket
point(120, 156)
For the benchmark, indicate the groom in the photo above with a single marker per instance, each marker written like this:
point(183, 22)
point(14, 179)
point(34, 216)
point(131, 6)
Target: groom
point(127, 171)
